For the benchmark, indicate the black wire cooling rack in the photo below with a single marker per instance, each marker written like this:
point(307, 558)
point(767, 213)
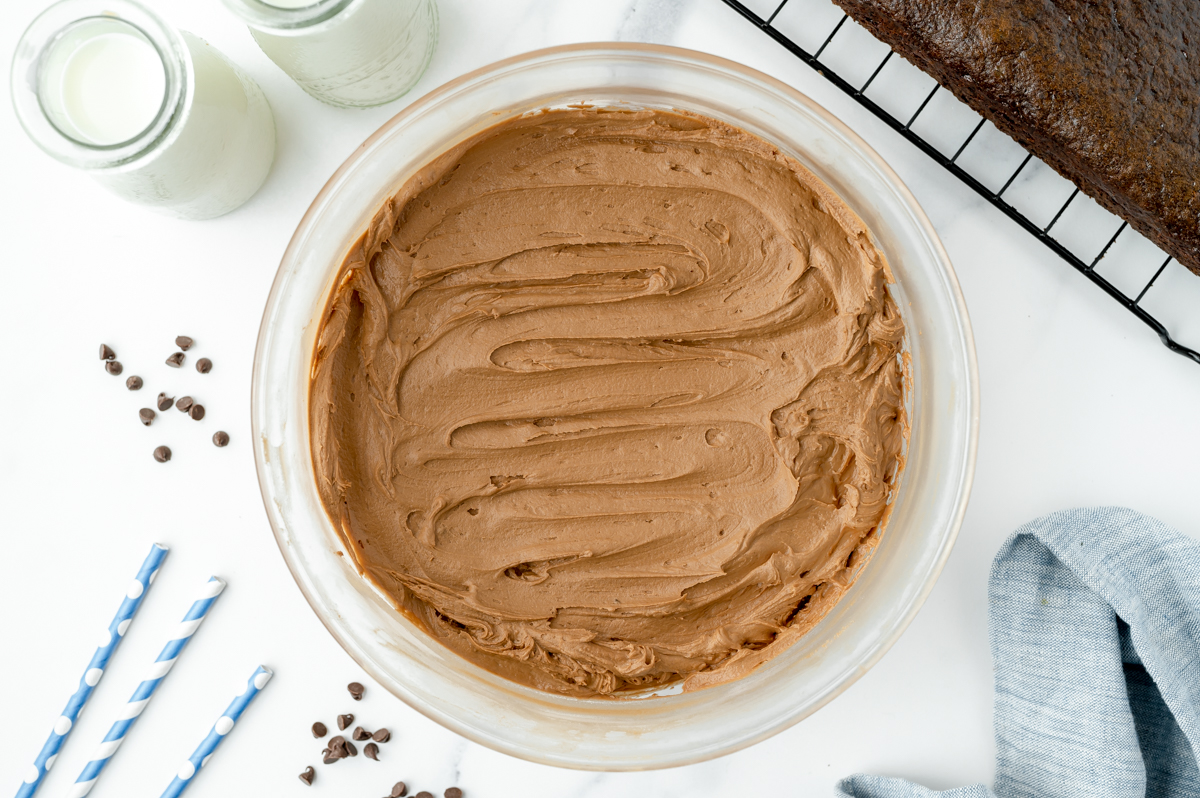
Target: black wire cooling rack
point(810, 29)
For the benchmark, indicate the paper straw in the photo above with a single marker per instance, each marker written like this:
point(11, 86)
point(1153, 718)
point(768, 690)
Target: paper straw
point(145, 690)
point(109, 640)
point(200, 757)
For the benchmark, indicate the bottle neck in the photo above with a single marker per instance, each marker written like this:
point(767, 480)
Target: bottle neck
point(281, 16)
point(99, 83)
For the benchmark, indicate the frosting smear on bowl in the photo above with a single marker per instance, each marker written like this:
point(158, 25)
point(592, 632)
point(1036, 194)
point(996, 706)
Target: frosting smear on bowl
point(609, 399)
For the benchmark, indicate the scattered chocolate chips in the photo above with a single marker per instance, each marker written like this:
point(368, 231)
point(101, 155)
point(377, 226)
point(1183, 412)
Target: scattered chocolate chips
point(146, 415)
point(220, 439)
point(183, 342)
point(203, 365)
point(175, 360)
point(165, 402)
point(338, 747)
point(134, 383)
point(197, 412)
point(399, 790)
point(308, 775)
point(453, 792)
point(106, 352)
point(162, 454)
point(114, 367)
point(184, 404)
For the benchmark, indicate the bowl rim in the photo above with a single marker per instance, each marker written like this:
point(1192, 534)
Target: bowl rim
point(962, 486)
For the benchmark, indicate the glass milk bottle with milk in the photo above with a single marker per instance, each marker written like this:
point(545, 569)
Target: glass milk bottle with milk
point(351, 53)
point(156, 115)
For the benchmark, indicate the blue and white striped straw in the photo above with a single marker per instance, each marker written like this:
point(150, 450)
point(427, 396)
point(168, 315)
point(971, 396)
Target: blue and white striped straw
point(109, 640)
point(145, 690)
point(222, 727)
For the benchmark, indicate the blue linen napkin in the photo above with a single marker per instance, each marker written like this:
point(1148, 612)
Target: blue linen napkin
point(1095, 631)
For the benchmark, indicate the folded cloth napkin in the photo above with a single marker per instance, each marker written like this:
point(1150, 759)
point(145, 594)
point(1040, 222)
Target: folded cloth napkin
point(1095, 631)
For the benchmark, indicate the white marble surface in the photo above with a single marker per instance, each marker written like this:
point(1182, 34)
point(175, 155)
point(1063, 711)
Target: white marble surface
point(1081, 405)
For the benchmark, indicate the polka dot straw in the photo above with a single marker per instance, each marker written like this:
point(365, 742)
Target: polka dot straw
point(200, 757)
point(110, 638)
point(145, 691)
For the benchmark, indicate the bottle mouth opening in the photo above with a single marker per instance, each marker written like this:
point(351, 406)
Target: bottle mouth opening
point(102, 83)
point(99, 83)
point(286, 15)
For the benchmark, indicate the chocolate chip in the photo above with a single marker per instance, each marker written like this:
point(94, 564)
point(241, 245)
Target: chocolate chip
point(184, 404)
point(203, 365)
point(350, 749)
point(344, 721)
point(197, 412)
point(175, 360)
point(399, 790)
point(361, 734)
point(114, 367)
point(183, 342)
point(424, 794)
point(356, 690)
point(308, 775)
point(165, 402)
point(162, 454)
point(220, 438)
point(329, 757)
point(106, 352)
point(319, 730)
point(134, 383)
point(371, 751)
point(453, 792)
point(381, 736)
point(146, 415)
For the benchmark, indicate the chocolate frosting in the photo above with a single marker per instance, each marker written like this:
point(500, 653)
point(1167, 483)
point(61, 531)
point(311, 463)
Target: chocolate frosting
point(608, 399)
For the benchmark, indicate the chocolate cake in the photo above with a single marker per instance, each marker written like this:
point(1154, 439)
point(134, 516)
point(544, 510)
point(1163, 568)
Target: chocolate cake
point(1107, 92)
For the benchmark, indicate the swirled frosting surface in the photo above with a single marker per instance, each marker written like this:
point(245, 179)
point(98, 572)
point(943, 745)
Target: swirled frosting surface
point(607, 399)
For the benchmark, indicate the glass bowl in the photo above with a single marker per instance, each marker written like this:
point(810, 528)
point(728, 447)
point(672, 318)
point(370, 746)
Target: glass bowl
point(658, 730)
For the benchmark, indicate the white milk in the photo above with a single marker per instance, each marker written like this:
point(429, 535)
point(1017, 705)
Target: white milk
point(368, 53)
point(220, 150)
point(112, 83)
point(155, 115)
